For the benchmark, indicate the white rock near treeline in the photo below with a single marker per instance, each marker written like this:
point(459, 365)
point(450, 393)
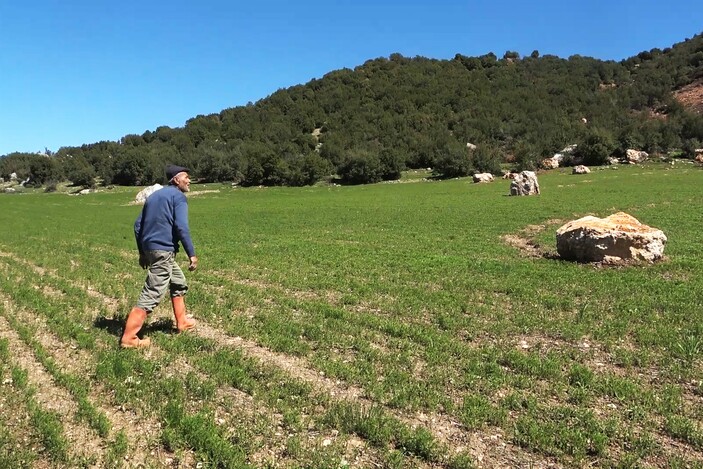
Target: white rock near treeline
point(580, 169)
point(559, 157)
point(550, 163)
point(483, 177)
point(146, 192)
point(525, 183)
point(617, 238)
point(636, 156)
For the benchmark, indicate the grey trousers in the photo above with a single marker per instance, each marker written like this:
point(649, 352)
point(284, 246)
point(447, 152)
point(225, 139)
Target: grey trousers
point(163, 273)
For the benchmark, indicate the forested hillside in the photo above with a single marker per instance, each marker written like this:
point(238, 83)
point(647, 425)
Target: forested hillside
point(389, 114)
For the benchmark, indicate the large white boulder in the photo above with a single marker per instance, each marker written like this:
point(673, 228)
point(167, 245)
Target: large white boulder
point(525, 183)
point(483, 177)
point(636, 156)
point(580, 169)
point(146, 192)
point(566, 153)
point(614, 239)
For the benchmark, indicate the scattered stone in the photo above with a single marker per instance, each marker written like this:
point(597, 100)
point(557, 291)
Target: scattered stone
point(580, 169)
point(525, 183)
point(483, 177)
point(10, 190)
point(550, 163)
point(471, 146)
point(84, 192)
point(566, 152)
point(13, 176)
point(146, 192)
point(614, 239)
point(636, 156)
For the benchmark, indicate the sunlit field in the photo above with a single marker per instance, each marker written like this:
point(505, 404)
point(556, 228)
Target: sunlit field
point(414, 324)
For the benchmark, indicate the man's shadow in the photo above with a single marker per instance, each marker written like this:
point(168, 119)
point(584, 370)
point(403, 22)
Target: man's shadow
point(115, 325)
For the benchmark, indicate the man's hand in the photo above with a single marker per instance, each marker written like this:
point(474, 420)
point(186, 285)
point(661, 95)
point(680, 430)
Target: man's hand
point(193, 263)
point(143, 262)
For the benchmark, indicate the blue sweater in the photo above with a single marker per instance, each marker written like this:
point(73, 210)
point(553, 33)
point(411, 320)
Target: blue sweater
point(164, 222)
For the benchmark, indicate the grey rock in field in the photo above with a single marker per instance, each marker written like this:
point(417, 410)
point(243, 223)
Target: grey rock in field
point(146, 192)
point(580, 169)
point(614, 239)
point(2, 180)
point(525, 183)
point(483, 177)
point(85, 192)
point(471, 146)
point(13, 176)
point(636, 156)
point(10, 190)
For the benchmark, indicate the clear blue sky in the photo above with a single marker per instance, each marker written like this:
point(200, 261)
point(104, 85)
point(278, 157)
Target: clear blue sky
point(80, 71)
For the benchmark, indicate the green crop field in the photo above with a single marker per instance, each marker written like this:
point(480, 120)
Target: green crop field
point(416, 324)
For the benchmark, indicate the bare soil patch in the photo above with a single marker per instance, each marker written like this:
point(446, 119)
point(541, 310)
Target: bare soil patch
point(691, 96)
point(142, 433)
point(84, 442)
point(446, 429)
point(484, 447)
point(198, 193)
point(526, 240)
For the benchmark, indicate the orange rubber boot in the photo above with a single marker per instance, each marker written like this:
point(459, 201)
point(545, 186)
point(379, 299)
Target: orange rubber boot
point(134, 323)
point(183, 322)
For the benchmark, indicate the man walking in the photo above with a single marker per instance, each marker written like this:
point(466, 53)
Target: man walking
point(162, 224)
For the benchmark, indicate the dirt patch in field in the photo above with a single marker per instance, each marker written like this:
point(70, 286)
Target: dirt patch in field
point(15, 421)
point(526, 246)
point(487, 448)
point(49, 291)
point(198, 193)
point(142, 433)
point(112, 304)
point(447, 430)
point(328, 296)
point(526, 240)
point(83, 441)
point(39, 270)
